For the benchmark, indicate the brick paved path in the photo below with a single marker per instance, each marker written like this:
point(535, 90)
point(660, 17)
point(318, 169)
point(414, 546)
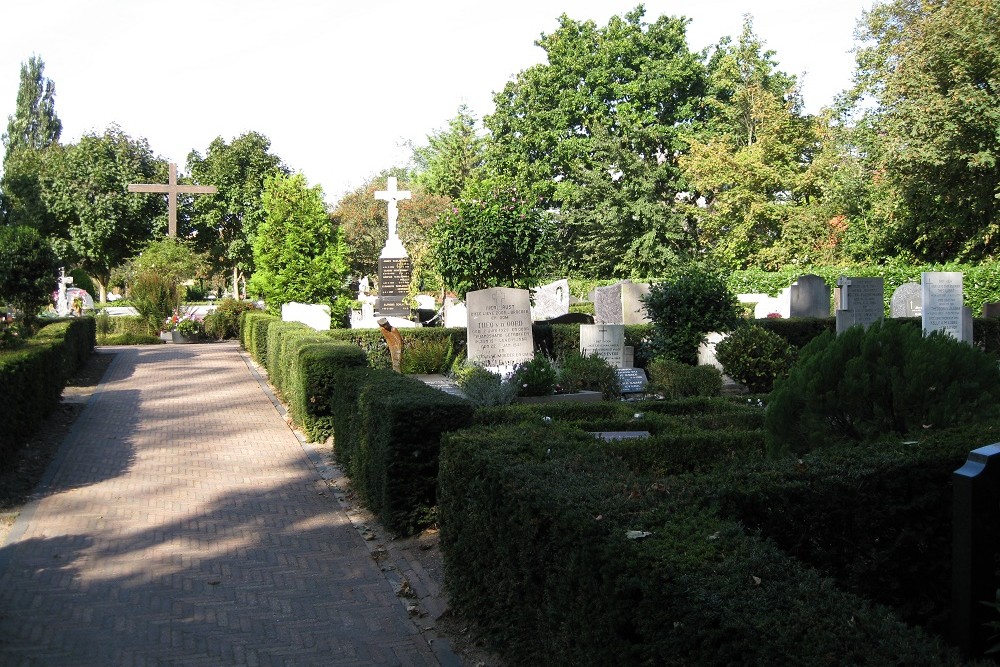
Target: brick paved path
point(182, 524)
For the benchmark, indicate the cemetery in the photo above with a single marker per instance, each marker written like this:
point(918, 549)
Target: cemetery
point(649, 426)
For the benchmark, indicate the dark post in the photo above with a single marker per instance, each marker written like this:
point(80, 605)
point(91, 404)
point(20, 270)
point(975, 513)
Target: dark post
point(975, 545)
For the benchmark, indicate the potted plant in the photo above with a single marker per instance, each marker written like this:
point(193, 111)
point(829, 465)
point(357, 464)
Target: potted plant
point(185, 328)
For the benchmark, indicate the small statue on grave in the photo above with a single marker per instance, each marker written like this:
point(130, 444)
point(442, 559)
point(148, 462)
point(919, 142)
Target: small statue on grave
point(395, 342)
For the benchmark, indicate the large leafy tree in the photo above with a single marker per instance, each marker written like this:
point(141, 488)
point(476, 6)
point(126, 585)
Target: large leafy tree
point(31, 131)
point(450, 156)
point(363, 222)
point(28, 269)
point(299, 253)
point(747, 165)
point(594, 133)
point(226, 224)
point(928, 108)
point(86, 191)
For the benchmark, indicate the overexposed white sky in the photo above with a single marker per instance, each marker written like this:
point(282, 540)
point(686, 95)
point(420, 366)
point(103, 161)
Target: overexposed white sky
point(340, 86)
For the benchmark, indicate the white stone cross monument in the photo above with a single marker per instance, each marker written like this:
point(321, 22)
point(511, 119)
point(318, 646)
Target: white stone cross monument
point(393, 245)
point(172, 189)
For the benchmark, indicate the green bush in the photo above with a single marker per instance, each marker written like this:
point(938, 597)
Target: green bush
point(224, 322)
point(315, 380)
point(279, 334)
point(592, 373)
point(129, 339)
point(253, 333)
point(536, 377)
point(755, 357)
point(685, 308)
point(888, 379)
point(798, 331)
point(676, 380)
point(483, 387)
point(427, 355)
point(155, 298)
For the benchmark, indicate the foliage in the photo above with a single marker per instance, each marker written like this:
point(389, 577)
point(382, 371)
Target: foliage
point(154, 298)
point(888, 379)
point(492, 237)
point(594, 132)
point(483, 387)
point(678, 380)
point(172, 258)
point(535, 377)
point(101, 223)
point(687, 306)
point(755, 357)
point(188, 325)
point(299, 254)
point(31, 131)
point(927, 90)
point(450, 157)
point(227, 222)
point(428, 355)
point(28, 269)
point(747, 168)
point(224, 322)
point(576, 372)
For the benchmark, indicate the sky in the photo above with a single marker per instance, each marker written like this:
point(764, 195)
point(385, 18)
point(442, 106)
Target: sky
point(341, 87)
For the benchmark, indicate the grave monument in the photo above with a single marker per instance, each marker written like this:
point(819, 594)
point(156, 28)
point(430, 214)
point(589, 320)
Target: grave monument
point(394, 268)
point(941, 294)
point(172, 189)
point(859, 301)
point(499, 332)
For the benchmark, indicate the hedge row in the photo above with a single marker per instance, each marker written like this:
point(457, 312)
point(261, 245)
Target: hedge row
point(536, 529)
point(32, 378)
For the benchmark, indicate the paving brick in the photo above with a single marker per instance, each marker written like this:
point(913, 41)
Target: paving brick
point(182, 523)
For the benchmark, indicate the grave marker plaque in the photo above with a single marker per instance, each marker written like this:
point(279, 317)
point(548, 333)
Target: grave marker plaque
point(907, 301)
point(499, 332)
point(393, 286)
point(942, 302)
point(605, 340)
point(860, 301)
point(632, 380)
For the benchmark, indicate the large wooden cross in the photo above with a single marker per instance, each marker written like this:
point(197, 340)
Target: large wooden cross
point(172, 189)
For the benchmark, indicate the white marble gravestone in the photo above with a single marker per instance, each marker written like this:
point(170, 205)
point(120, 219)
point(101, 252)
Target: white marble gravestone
point(499, 332)
point(551, 300)
point(312, 315)
point(941, 293)
point(605, 340)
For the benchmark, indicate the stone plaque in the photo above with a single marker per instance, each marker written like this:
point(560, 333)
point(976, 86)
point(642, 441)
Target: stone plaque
point(942, 302)
point(810, 297)
point(499, 332)
point(551, 300)
point(859, 301)
point(632, 380)
point(393, 286)
point(608, 304)
point(907, 301)
point(605, 340)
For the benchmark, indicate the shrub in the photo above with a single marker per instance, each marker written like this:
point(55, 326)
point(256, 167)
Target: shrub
point(483, 387)
point(224, 322)
point(536, 377)
point(592, 373)
point(755, 357)
point(427, 355)
point(677, 380)
point(889, 379)
point(685, 308)
point(314, 380)
point(155, 297)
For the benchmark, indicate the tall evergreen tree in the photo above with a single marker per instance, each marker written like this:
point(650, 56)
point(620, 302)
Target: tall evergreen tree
point(450, 156)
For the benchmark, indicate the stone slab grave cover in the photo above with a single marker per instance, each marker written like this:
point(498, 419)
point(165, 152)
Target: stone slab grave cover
point(499, 333)
point(907, 301)
point(312, 315)
point(606, 341)
point(632, 380)
point(941, 295)
point(809, 297)
point(551, 300)
point(859, 301)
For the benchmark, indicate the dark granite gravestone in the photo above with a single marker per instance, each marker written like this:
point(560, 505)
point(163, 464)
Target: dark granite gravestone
point(975, 545)
point(859, 301)
point(393, 286)
point(632, 380)
point(906, 301)
point(810, 297)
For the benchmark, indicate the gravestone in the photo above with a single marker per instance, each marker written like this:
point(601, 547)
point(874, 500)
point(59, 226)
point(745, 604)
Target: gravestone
point(456, 315)
point(172, 189)
point(394, 269)
point(608, 304)
point(633, 306)
point(859, 301)
point(706, 350)
point(312, 315)
point(941, 296)
point(551, 300)
point(907, 301)
point(991, 309)
point(499, 332)
point(967, 324)
point(629, 360)
point(809, 297)
point(975, 545)
point(632, 380)
point(62, 300)
point(606, 341)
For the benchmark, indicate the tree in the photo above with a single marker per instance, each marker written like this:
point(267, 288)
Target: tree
point(31, 131)
point(492, 237)
point(594, 133)
point(298, 252)
point(450, 156)
point(226, 224)
point(28, 269)
point(747, 162)
point(86, 190)
point(362, 220)
point(927, 98)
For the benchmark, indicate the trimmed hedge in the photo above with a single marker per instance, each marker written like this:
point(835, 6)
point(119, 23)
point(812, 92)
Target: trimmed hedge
point(534, 529)
point(387, 430)
point(32, 378)
point(313, 382)
point(372, 342)
point(253, 333)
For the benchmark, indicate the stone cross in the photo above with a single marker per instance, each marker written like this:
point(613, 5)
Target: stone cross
point(172, 189)
point(393, 245)
point(843, 282)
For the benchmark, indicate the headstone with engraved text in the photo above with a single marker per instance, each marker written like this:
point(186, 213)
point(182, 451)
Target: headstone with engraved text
point(859, 301)
point(907, 301)
point(499, 333)
point(605, 340)
point(941, 293)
